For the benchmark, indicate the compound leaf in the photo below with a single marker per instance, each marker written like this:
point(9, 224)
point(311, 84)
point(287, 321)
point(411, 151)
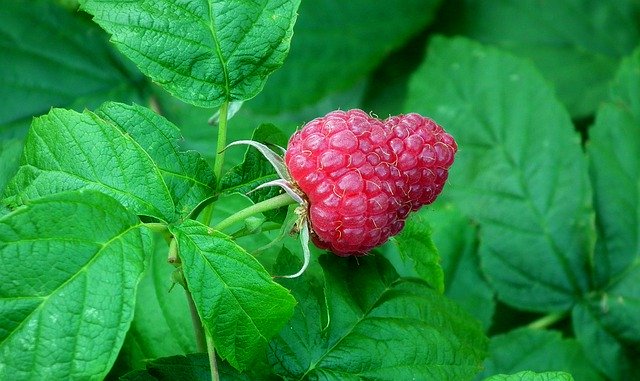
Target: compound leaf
point(537, 350)
point(238, 302)
point(520, 171)
point(67, 150)
point(204, 52)
point(577, 44)
point(71, 263)
point(380, 326)
point(188, 176)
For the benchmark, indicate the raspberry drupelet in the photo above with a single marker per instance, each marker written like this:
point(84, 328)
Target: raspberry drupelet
point(362, 176)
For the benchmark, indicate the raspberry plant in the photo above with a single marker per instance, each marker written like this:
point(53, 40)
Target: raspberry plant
point(129, 252)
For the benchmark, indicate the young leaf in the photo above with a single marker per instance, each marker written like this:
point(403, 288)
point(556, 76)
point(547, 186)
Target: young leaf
point(337, 44)
point(67, 150)
point(255, 170)
point(520, 170)
point(238, 302)
point(416, 250)
point(569, 41)
point(70, 266)
point(532, 376)
point(52, 57)
point(380, 326)
point(187, 174)
point(537, 350)
point(204, 52)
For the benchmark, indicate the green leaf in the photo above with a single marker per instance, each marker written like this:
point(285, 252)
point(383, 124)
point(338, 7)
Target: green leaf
point(614, 358)
point(417, 251)
point(161, 315)
point(188, 176)
point(66, 150)
point(532, 376)
point(380, 326)
point(54, 57)
point(576, 44)
point(204, 52)
point(537, 350)
point(614, 153)
point(337, 44)
point(610, 315)
point(456, 239)
point(520, 171)
point(72, 262)
point(255, 170)
point(238, 302)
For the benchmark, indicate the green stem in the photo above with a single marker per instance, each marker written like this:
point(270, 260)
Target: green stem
point(263, 206)
point(222, 140)
point(198, 329)
point(547, 320)
point(219, 159)
point(211, 351)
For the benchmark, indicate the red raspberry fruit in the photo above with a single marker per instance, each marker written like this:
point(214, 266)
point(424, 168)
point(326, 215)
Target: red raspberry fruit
point(363, 176)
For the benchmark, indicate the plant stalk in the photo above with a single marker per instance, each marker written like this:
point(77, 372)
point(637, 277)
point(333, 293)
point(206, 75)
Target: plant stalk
point(546, 321)
point(198, 329)
point(213, 364)
point(262, 206)
point(222, 141)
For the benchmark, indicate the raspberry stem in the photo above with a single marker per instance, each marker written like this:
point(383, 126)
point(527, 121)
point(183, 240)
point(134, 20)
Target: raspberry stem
point(262, 206)
point(222, 141)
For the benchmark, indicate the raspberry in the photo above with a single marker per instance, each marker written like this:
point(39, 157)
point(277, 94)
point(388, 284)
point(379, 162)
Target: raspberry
point(362, 176)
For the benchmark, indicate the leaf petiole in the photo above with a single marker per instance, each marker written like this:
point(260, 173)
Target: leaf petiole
point(263, 206)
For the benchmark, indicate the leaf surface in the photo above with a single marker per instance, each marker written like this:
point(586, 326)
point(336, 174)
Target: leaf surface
point(532, 376)
point(161, 315)
point(188, 176)
point(577, 44)
point(519, 172)
point(66, 150)
point(537, 350)
point(457, 242)
point(608, 320)
point(238, 302)
point(71, 263)
point(417, 250)
point(380, 326)
point(203, 52)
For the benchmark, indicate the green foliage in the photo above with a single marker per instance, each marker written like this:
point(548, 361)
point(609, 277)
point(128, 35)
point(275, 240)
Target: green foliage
point(68, 285)
point(532, 376)
point(50, 58)
point(204, 53)
point(537, 350)
point(577, 44)
point(514, 138)
point(418, 333)
point(238, 302)
point(526, 268)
